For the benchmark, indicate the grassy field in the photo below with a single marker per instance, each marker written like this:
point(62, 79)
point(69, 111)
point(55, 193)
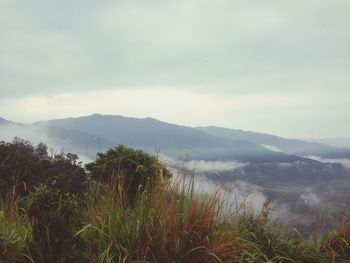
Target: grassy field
point(124, 207)
point(172, 223)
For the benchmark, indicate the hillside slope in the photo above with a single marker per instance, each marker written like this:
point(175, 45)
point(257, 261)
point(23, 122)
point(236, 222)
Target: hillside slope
point(171, 139)
point(290, 146)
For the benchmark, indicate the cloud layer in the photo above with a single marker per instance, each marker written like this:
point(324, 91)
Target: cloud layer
point(254, 53)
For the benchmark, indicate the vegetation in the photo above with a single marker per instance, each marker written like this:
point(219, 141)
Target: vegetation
point(125, 209)
point(23, 167)
point(133, 171)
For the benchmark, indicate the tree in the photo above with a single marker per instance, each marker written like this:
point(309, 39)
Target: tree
point(134, 170)
point(23, 166)
point(55, 219)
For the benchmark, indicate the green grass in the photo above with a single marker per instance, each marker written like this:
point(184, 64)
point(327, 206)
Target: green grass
point(15, 231)
point(173, 223)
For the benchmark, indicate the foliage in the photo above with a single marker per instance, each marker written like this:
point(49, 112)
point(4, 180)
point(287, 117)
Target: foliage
point(337, 243)
point(15, 230)
point(55, 218)
point(20, 168)
point(166, 225)
point(68, 218)
point(136, 171)
point(23, 167)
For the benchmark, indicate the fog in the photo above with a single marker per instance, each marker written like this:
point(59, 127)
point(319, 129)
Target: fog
point(235, 194)
point(310, 198)
point(344, 162)
point(36, 134)
point(207, 166)
point(271, 148)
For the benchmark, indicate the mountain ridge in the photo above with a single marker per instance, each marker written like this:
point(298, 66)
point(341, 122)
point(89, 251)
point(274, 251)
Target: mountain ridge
point(209, 143)
point(146, 133)
point(2, 121)
point(290, 146)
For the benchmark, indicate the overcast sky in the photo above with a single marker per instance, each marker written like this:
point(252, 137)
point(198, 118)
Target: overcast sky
point(281, 67)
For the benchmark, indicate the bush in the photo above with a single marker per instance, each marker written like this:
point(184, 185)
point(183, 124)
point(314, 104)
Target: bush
point(55, 217)
point(131, 170)
point(68, 222)
point(15, 230)
point(163, 226)
point(20, 168)
point(23, 167)
point(337, 244)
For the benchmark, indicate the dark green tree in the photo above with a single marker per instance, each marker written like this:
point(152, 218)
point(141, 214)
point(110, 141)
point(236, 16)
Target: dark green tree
point(132, 170)
point(56, 218)
point(23, 166)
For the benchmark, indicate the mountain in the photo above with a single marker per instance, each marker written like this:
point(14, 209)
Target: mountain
point(266, 159)
point(95, 133)
point(81, 143)
point(335, 142)
point(3, 121)
point(150, 134)
point(289, 146)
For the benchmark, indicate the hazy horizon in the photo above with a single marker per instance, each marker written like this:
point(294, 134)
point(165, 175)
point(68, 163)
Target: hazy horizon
point(198, 126)
point(275, 67)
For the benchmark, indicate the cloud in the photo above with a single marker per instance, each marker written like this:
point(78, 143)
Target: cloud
point(181, 104)
point(236, 195)
point(232, 45)
point(258, 111)
point(310, 198)
point(36, 134)
point(237, 49)
point(344, 162)
point(214, 166)
point(271, 148)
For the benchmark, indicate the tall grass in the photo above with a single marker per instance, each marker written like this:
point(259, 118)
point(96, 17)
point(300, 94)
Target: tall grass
point(15, 231)
point(171, 223)
point(174, 223)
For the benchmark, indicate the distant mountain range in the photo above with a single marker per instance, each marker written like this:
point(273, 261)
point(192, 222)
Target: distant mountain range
point(267, 158)
point(290, 146)
point(91, 134)
point(3, 121)
point(335, 142)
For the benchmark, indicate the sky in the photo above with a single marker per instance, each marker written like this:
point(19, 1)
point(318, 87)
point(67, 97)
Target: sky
point(281, 67)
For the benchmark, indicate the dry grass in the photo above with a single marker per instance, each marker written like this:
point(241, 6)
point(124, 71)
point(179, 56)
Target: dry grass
point(169, 224)
point(173, 223)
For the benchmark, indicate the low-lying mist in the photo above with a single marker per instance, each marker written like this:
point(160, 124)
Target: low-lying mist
point(40, 133)
point(238, 182)
point(34, 134)
point(235, 193)
point(344, 162)
point(297, 205)
point(207, 166)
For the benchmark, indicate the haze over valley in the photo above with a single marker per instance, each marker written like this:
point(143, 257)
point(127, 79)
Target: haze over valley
point(181, 131)
point(298, 175)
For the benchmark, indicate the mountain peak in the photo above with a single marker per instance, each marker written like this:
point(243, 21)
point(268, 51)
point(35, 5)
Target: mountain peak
point(2, 120)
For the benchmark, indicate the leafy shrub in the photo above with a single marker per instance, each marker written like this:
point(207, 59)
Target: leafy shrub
point(66, 174)
point(15, 230)
point(123, 216)
point(55, 218)
point(163, 226)
point(338, 243)
point(20, 168)
point(23, 167)
point(131, 170)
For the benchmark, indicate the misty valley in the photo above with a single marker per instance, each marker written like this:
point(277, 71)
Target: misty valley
point(300, 193)
point(306, 180)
